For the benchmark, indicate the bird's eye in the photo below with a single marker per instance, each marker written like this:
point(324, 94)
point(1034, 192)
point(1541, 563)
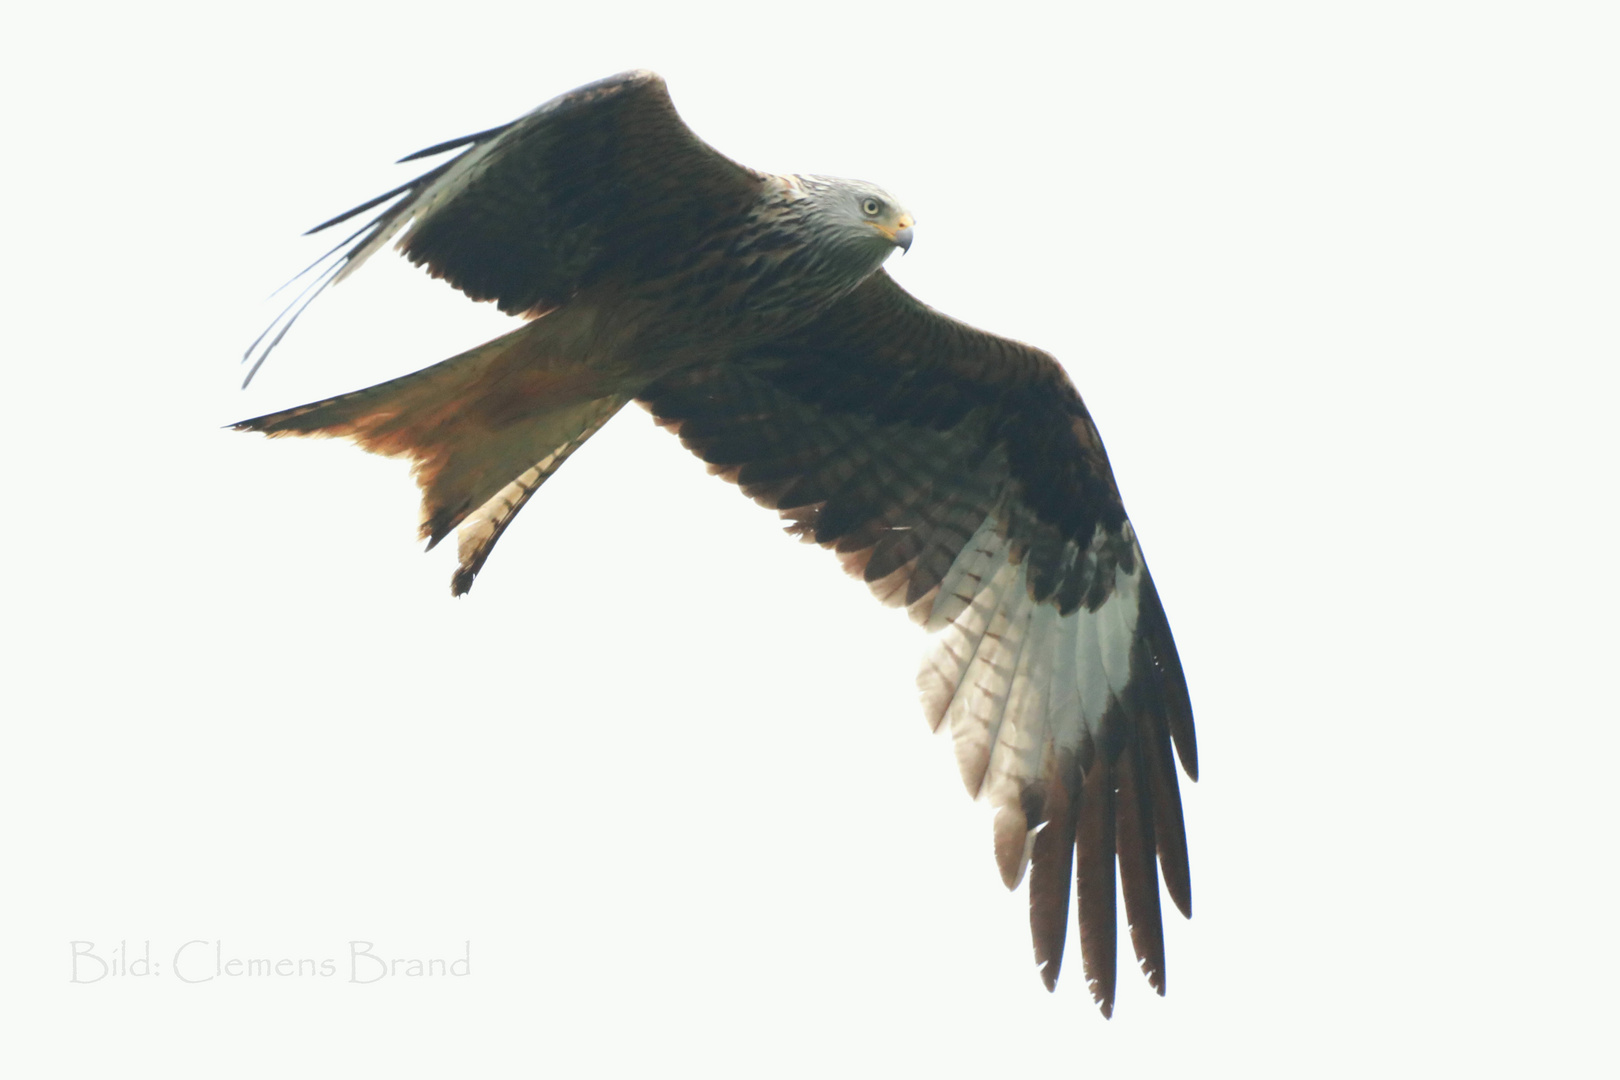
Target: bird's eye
point(871, 208)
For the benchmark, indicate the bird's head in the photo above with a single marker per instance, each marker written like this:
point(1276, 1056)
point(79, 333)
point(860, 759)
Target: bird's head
point(865, 221)
point(874, 211)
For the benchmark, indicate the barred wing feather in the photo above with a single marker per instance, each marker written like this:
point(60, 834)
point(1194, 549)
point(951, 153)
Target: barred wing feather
point(959, 475)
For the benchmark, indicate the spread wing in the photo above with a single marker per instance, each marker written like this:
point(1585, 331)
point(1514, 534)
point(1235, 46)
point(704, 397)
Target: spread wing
point(604, 180)
point(960, 475)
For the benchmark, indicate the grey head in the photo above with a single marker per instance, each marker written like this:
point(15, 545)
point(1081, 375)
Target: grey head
point(859, 223)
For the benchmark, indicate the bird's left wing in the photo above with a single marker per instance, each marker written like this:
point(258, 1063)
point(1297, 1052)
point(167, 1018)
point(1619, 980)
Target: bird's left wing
point(603, 181)
point(960, 475)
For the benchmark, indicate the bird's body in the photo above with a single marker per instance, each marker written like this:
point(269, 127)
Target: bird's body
point(769, 270)
point(957, 472)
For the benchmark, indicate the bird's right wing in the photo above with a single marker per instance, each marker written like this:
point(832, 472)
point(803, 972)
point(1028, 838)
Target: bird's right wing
point(959, 474)
point(602, 181)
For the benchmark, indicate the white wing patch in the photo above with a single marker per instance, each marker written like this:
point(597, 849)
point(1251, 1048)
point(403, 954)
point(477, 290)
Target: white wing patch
point(1020, 684)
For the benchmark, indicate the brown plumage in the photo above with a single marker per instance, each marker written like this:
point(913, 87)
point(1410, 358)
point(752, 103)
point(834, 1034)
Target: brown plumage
point(956, 472)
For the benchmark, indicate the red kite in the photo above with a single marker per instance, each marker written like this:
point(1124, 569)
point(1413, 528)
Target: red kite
point(956, 472)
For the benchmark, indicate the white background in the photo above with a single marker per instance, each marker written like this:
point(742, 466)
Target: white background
point(1339, 285)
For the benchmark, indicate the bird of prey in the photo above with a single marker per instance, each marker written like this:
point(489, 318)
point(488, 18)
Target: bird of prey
point(956, 472)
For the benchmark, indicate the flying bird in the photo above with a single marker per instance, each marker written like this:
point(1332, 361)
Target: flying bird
point(956, 472)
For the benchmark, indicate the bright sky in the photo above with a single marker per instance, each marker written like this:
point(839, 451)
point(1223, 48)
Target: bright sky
point(1340, 290)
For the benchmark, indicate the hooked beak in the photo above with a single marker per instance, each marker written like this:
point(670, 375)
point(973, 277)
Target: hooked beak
point(903, 235)
point(900, 235)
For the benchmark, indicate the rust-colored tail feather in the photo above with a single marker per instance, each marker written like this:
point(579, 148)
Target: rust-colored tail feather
point(483, 430)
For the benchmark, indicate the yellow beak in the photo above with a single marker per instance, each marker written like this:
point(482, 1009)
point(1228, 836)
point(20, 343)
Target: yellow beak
point(899, 233)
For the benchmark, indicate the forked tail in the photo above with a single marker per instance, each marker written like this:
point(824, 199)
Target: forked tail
point(483, 430)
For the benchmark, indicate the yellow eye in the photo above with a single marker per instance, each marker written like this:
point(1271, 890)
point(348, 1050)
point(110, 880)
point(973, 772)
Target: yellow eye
point(871, 208)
